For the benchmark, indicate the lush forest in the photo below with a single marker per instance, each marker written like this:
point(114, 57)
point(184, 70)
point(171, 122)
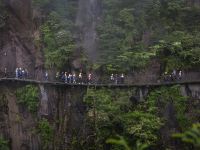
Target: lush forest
point(118, 119)
point(130, 33)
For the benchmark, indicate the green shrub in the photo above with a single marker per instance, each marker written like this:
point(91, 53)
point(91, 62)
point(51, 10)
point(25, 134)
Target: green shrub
point(110, 113)
point(191, 136)
point(120, 141)
point(3, 144)
point(29, 97)
point(166, 95)
point(46, 133)
point(58, 41)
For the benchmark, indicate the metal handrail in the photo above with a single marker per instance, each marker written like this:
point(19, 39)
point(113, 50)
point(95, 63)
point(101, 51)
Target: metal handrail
point(12, 75)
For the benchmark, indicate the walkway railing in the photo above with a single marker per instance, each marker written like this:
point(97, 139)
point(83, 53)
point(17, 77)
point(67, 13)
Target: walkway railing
point(84, 81)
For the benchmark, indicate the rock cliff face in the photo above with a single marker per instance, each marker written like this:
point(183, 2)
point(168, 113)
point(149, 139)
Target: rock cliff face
point(17, 38)
point(65, 110)
point(88, 17)
point(62, 106)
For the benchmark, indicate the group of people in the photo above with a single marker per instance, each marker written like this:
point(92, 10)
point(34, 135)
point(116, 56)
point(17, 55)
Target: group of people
point(173, 76)
point(116, 79)
point(73, 78)
point(21, 73)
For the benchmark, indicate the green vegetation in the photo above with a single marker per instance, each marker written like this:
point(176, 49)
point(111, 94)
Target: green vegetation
point(191, 136)
point(58, 41)
point(179, 50)
point(29, 97)
point(134, 31)
point(130, 34)
point(45, 131)
point(121, 142)
point(3, 144)
point(111, 113)
point(56, 33)
point(169, 95)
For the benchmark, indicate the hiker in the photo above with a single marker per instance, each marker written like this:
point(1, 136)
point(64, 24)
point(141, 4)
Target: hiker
point(80, 78)
point(5, 72)
point(57, 75)
point(26, 73)
point(17, 73)
point(65, 77)
point(74, 78)
point(180, 74)
point(112, 78)
point(165, 76)
point(23, 73)
point(116, 79)
point(46, 76)
point(174, 75)
point(70, 78)
point(89, 78)
point(20, 73)
point(122, 78)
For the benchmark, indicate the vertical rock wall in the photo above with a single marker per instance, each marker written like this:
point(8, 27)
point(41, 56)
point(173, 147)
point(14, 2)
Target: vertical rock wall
point(17, 37)
point(61, 106)
point(88, 17)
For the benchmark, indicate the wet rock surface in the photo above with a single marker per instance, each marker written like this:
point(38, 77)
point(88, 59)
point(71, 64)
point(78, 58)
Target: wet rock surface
point(17, 38)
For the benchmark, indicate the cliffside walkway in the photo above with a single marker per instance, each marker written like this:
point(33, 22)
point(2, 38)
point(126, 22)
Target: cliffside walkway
point(27, 81)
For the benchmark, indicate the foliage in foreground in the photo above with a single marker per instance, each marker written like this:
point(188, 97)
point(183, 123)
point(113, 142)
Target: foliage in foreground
point(29, 97)
point(122, 142)
point(191, 136)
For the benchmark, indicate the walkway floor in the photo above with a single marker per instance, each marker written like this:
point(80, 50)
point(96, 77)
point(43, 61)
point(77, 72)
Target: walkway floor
point(100, 85)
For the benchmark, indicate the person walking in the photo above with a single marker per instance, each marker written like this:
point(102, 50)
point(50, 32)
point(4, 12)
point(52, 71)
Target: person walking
point(74, 78)
point(23, 73)
point(63, 77)
point(5, 72)
point(112, 79)
point(20, 73)
point(174, 75)
point(180, 74)
point(89, 78)
point(66, 77)
point(122, 78)
point(80, 78)
point(26, 73)
point(57, 75)
point(46, 76)
point(17, 73)
point(70, 78)
point(116, 79)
